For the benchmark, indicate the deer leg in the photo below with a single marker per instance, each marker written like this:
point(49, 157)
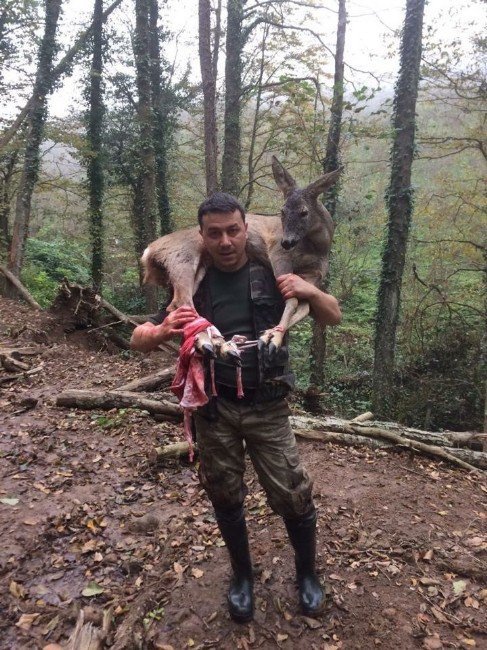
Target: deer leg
point(294, 311)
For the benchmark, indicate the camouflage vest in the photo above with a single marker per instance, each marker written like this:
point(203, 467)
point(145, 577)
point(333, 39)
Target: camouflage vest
point(275, 376)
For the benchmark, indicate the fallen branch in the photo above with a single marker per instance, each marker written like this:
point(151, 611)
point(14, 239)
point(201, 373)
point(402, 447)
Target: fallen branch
point(86, 636)
point(91, 399)
point(20, 288)
point(21, 375)
point(151, 382)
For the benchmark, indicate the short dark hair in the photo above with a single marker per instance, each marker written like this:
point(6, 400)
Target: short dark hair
point(220, 202)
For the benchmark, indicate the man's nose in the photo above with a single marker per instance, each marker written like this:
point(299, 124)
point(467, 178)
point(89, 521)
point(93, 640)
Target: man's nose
point(225, 239)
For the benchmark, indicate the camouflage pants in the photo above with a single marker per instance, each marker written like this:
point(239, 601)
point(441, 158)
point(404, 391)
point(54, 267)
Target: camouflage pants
point(271, 445)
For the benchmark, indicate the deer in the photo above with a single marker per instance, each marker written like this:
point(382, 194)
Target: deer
point(296, 241)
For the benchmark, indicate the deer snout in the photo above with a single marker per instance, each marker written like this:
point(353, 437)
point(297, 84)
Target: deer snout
point(289, 243)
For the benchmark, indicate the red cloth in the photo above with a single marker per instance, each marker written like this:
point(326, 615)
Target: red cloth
point(189, 381)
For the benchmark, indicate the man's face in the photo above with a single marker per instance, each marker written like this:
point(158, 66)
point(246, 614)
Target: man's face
point(225, 237)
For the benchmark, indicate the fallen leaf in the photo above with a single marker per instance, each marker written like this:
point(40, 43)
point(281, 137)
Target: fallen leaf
point(432, 643)
point(468, 643)
point(474, 541)
point(9, 501)
point(428, 555)
point(98, 557)
point(16, 590)
point(266, 576)
point(282, 637)
point(92, 589)
point(197, 573)
point(459, 587)
point(89, 546)
point(31, 521)
point(26, 621)
point(312, 623)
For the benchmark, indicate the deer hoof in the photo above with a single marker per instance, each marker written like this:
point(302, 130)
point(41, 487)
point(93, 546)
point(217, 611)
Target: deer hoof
point(204, 346)
point(273, 339)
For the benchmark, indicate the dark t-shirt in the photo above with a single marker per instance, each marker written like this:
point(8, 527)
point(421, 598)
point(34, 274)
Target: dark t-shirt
point(232, 314)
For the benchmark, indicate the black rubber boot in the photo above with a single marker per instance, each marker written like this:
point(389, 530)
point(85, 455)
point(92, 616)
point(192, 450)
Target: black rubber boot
point(240, 594)
point(302, 533)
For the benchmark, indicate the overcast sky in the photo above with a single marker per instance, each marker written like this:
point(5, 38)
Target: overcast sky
point(370, 29)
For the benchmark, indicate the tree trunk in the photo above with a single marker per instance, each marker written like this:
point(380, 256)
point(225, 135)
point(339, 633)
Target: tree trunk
point(5, 198)
point(95, 166)
point(161, 127)
point(232, 145)
point(37, 118)
point(145, 214)
point(208, 65)
point(400, 204)
point(330, 163)
point(258, 100)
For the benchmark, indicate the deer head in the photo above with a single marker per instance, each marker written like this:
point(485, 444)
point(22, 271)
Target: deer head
point(302, 210)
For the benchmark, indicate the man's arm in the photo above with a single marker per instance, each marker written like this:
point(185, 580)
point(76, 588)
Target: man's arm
point(147, 337)
point(324, 307)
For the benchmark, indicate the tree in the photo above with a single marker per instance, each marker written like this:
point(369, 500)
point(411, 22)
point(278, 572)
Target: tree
point(146, 182)
point(95, 164)
point(399, 199)
point(36, 121)
point(209, 68)
point(330, 163)
point(232, 147)
point(162, 128)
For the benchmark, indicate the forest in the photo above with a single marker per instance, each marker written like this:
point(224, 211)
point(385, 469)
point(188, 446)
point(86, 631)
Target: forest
point(146, 136)
point(117, 119)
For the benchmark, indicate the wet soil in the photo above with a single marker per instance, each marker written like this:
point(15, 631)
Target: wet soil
point(89, 522)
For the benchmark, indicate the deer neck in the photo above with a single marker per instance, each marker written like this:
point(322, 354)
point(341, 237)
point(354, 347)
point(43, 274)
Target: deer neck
point(320, 229)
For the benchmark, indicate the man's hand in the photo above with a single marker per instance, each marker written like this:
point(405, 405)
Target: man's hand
point(293, 286)
point(324, 307)
point(147, 337)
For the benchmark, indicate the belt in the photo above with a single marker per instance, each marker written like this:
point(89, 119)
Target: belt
point(230, 393)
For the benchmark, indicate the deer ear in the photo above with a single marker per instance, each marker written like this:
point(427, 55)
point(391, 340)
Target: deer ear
point(283, 178)
point(323, 183)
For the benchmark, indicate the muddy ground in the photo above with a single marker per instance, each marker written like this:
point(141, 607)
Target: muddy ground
point(89, 522)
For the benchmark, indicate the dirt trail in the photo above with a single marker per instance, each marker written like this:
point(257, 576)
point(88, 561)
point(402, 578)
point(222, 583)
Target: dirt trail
point(87, 522)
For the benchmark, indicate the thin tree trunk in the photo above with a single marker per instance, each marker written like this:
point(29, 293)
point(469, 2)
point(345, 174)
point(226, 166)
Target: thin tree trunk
point(95, 166)
point(258, 101)
point(233, 95)
point(37, 118)
point(147, 225)
point(330, 163)
point(208, 65)
point(62, 67)
point(400, 206)
point(161, 127)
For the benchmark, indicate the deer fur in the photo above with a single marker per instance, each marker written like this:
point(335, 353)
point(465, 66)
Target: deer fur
point(298, 242)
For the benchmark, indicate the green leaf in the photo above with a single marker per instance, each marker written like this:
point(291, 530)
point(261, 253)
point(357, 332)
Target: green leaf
point(92, 589)
point(9, 501)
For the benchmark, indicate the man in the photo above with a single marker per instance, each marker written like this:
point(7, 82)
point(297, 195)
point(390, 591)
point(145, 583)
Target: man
point(241, 297)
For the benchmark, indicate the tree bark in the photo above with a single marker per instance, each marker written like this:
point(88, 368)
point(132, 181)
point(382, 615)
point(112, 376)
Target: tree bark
point(400, 205)
point(330, 163)
point(208, 65)
point(37, 118)
point(161, 126)
point(95, 166)
point(232, 146)
point(146, 226)
point(152, 382)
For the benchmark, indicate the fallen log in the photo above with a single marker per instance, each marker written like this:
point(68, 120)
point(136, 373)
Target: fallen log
point(92, 399)
point(151, 382)
point(11, 364)
point(355, 435)
point(20, 288)
point(476, 459)
point(441, 439)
